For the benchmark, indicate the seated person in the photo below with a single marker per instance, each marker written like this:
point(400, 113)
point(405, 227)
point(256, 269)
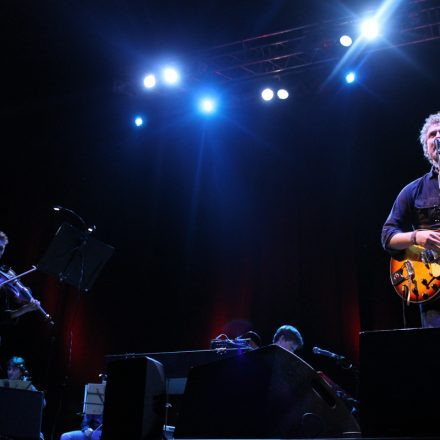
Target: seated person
point(91, 425)
point(289, 338)
point(16, 370)
point(91, 428)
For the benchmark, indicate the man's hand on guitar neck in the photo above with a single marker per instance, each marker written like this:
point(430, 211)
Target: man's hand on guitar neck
point(423, 237)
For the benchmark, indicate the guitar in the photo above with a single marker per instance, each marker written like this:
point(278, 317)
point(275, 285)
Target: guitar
point(416, 275)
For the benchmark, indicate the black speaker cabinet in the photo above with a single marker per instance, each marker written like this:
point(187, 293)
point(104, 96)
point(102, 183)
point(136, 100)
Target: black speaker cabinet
point(134, 406)
point(20, 413)
point(400, 386)
point(265, 393)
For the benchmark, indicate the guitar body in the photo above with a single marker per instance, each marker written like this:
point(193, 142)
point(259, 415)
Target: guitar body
point(416, 276)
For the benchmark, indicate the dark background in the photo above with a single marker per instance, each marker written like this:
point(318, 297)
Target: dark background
point(261, 216)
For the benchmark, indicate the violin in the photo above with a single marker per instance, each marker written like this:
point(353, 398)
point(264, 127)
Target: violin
point(10, 280)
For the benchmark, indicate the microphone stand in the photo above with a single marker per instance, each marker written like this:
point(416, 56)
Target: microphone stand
point(437, 148)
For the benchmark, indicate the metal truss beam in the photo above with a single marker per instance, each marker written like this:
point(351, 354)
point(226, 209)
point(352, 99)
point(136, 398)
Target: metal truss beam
point(298, 49)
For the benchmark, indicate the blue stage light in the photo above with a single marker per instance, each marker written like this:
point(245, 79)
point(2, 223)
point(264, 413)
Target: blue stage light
point(346, 40)
point(149, 81)
point(267, 94)
point(170, 75)
point(370, 29)
point(208, 105)
point(282, 94)
point(138, 121)
point(350, 77)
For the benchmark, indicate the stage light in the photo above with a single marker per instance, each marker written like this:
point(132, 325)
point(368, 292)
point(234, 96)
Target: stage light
point(138, 121)
point(267, 94)
point(350, 77)
point(346, 40)
point(370, 29)
point(149, 81)
point(282, 94)
point(207, 105)
point(170, 75)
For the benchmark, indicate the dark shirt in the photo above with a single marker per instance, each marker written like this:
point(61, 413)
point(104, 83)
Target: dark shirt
point(8, 305)
point(6, 320)
point(416, 207)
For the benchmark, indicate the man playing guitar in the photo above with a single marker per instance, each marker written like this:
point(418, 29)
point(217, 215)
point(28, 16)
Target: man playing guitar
point(414, 223)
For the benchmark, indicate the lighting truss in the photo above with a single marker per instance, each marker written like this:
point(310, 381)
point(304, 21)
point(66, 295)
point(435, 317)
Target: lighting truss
point(298, 49)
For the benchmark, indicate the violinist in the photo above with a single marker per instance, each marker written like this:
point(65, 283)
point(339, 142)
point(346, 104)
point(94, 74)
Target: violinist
point(10, 299)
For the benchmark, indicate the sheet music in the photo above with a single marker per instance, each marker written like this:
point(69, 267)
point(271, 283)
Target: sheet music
point(94, 398)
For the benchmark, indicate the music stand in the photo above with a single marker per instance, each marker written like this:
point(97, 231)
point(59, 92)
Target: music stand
point(75, 257)
point(94, 399)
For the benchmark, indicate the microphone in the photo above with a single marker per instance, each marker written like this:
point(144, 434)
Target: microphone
point(320, 352)
point(437, 148)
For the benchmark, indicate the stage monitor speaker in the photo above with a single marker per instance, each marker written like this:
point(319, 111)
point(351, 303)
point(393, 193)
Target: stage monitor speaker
point(400, 384)
point(20, 413)
point(265, 393)
point(134, 406)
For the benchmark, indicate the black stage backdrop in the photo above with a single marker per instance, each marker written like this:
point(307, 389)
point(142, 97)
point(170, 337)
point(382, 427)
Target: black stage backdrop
point(260, 216)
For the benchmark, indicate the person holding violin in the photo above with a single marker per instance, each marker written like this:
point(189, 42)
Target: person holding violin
point(10, 296)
